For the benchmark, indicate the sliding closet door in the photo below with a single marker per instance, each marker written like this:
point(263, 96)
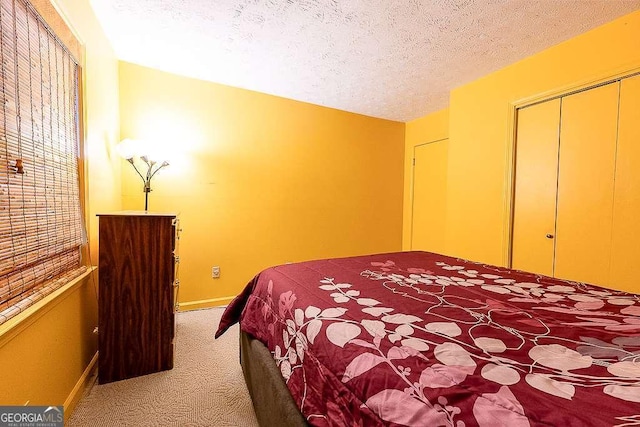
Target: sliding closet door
point(535, 187)
point(588, 132)
point(429, 196)
point(625, 255)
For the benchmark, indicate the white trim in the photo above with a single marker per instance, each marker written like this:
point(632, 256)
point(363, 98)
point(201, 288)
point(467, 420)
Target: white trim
point(205, 303)
point(67, 21)
point(76, 394)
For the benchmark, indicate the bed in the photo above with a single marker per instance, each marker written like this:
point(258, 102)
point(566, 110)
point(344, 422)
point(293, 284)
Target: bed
point(421, 339)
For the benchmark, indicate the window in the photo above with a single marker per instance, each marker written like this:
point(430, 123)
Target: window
point(41, 225)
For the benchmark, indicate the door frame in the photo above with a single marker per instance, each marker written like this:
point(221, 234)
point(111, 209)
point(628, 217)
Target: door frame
point(413, 183)
point(512, 128)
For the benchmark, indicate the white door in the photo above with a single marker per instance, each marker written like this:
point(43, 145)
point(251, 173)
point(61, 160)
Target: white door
point(429, 196)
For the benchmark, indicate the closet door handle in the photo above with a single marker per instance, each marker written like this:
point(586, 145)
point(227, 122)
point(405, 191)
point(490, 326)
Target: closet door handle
point(549, 236)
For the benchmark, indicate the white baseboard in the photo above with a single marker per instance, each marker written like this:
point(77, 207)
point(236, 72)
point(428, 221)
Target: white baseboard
point(78, 390)
point(205, 303)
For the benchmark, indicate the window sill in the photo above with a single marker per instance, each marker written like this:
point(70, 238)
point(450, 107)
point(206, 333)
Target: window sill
point(12, 327)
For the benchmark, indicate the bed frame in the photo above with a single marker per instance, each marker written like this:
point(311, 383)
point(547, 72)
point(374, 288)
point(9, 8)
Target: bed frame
point(271, 399)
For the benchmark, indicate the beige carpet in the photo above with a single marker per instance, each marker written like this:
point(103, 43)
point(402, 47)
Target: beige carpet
point(205, 387)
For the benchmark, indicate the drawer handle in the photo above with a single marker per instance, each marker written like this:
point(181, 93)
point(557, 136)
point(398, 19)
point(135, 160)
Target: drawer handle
point(176, 283)
point(549, 236)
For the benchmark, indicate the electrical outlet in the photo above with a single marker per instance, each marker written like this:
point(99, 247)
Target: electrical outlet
point(215, 272)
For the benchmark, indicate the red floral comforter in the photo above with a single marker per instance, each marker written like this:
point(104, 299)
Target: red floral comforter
point(420, 339)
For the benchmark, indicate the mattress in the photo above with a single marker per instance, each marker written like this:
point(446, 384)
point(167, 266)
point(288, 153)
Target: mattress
point(421, 339)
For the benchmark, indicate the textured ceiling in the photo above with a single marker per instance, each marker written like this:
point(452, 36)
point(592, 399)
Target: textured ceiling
point(394, 59)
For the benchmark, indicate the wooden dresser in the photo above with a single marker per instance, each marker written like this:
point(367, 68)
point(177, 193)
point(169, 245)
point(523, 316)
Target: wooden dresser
point(137, 296)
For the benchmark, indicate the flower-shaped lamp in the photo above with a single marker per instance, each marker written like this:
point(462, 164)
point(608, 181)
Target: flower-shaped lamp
point(135, 151)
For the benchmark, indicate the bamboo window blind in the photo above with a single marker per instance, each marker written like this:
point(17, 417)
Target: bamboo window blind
point(41, 226)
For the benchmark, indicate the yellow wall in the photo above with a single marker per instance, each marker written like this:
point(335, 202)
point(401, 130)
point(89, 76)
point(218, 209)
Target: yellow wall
point(432, 127)
point(481, 126)
point(260, 180)
point(44, 362)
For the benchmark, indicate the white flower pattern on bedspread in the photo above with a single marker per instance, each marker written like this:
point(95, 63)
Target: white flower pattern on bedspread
point(484, 347)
